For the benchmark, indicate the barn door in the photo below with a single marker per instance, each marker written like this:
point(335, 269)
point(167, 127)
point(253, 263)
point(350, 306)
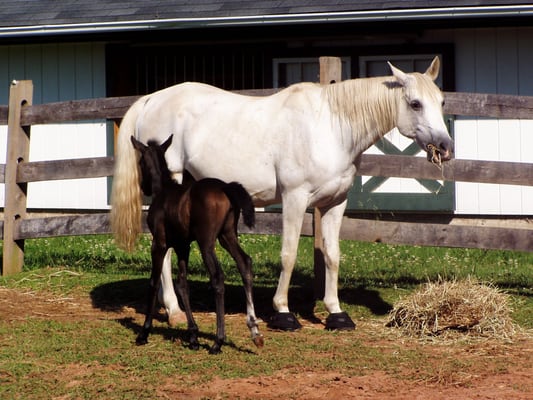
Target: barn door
point(399, 194)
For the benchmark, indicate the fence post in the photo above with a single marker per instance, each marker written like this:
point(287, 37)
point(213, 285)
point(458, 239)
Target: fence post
point(330, 72)
point(18, 148)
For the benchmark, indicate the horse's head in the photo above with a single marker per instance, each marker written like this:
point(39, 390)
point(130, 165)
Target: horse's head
point(420, 112)
point(152, 164)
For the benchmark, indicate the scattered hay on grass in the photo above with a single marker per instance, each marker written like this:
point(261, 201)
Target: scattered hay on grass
point(446, 308)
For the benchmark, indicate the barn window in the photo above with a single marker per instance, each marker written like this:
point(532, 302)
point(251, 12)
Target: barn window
point(287, 71)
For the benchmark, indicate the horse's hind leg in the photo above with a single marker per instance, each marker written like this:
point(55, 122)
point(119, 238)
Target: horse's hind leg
point(217, 282)
point(244, 263)
point(167, 295)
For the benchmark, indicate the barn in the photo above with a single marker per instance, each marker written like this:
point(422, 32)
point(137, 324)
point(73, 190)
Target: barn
point(76, 50)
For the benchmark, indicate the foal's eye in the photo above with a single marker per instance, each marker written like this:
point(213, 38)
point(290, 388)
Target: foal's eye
point(415, 105)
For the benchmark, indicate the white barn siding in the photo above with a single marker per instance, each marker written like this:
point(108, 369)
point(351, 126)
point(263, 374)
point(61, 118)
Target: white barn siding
point(494, 60)
point(59, 72)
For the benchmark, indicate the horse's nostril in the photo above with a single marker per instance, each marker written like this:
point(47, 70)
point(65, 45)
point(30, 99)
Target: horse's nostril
point(446, 151)
point(446, 148)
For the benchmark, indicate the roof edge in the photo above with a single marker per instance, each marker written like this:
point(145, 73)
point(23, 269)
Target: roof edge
point(280, 19)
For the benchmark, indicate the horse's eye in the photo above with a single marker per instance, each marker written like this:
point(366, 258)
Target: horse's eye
point(415, 105)
point(443, 103)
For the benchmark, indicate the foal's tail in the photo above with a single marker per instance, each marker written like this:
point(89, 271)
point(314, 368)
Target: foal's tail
point(126, 197)
point(240, 199)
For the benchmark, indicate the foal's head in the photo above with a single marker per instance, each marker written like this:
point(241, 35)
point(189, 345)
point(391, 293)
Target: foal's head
point(152, 164)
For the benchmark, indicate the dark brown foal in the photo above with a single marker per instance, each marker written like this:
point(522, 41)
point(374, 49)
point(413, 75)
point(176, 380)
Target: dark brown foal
point(202, 211)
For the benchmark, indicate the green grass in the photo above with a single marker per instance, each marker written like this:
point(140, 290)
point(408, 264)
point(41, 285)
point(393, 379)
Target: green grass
point(39, 356)
point(362, 264)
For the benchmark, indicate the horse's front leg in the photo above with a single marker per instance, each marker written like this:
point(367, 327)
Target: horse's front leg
point(294, 206)
point(167, 295)
point(331, 225)
point(158, 253)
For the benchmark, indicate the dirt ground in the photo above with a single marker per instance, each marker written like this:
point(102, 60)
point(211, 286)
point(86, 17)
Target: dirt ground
point(513, 382)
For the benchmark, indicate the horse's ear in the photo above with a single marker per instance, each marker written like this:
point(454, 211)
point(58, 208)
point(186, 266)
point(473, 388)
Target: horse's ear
point(137, 145)
point(433, 70)
point(400, 76)
point(167, 143)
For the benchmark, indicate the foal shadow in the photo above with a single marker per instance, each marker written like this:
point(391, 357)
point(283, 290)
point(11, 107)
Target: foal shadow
point(180, 336)
point(117, 297)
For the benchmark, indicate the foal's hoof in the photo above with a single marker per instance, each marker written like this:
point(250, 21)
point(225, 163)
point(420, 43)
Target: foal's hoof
point(259, 341)
point(194, 346)
point(141, 340)
point(339, 322)
point(284, 321)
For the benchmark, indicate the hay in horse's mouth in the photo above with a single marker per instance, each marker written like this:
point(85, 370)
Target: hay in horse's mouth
point(433, 155)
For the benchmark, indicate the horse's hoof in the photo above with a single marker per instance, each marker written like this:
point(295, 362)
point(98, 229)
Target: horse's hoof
point(141, 340)
point(259, 341)
point(339, 322)
point(284, 321)
point(176, 317)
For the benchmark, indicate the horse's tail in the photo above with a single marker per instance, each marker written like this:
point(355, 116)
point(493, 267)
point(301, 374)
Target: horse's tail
point(126, 197)
point(241, 199)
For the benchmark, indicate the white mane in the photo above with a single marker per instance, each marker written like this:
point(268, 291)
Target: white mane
point(368, 105)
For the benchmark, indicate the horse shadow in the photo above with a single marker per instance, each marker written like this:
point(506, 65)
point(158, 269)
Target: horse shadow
point(115, 297)
point(303, 298)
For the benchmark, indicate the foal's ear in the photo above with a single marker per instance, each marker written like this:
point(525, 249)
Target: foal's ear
point(167, 143)
point(400, 76)
point(433, 70)
point(137, 145)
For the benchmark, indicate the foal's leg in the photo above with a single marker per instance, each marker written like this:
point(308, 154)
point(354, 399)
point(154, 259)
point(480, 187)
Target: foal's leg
point(167, 295)
point(158, 253)
point(294, 206)
point(217, 282)
point(244, 263)
point(331, 224)
point(183, 289)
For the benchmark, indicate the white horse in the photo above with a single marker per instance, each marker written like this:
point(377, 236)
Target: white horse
point(300, 146)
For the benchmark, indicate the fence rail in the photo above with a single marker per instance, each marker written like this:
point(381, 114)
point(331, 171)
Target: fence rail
point(18, 171)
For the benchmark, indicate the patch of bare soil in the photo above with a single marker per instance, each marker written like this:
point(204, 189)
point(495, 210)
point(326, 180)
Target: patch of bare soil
point(488, 381)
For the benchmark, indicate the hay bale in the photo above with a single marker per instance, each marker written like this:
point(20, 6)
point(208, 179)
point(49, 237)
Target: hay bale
point(466, 306)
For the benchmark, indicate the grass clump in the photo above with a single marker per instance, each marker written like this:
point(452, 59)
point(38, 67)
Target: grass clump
point(458, 306)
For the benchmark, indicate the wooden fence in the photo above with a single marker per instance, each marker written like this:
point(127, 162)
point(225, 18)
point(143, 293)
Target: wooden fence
point(436, 230)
